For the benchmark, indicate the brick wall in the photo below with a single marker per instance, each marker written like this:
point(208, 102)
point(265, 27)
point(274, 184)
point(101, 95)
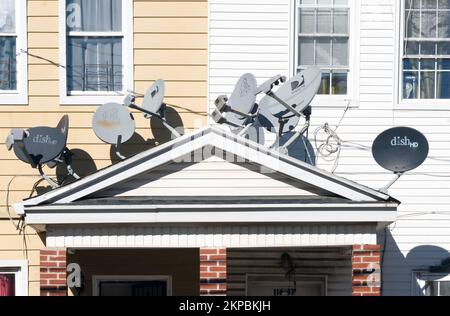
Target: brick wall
point(53, 272)
point(366, 270)
point(213, 272)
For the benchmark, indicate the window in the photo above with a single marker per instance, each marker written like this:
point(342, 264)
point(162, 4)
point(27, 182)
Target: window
point(323, 40)
point(431, 284)
point(13, 278)
point(98, 55)
point(426, 50)
point(132, 285)
point(13, 57)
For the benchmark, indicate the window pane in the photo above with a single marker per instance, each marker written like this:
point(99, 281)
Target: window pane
point(340, 52)
point(306, 52)
point(410, 64)
point(307, 22)
point(323, 55)
point(94, 15)
point(340, 24)
point(428, 24)
point(94, 64)
point(412, 48)
point(443, 85)
point(413, 4)
point(428, 48)
point(444, 4)
point(444, 288)
point(8, 67)
point(410, 85)
point(7, 285)
point(429, 4)
point(427, 64)
point(7, 16)
point(339, 83)
point(427, 81)
point(444, 24)
point(412, 24)
point(443, 48)
point(324, 21)
point(325, 84)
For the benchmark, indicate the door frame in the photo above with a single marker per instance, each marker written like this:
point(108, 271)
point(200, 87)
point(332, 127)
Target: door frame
point(320, 278)
point(96, 279)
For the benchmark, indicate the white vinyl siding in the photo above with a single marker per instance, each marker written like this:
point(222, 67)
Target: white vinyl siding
point(421, 236)
point(13, 52)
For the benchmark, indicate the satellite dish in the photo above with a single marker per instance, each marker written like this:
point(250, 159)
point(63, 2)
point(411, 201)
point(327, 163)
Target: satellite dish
point(113, 124)
point(301, 149)
point(43, 145)
point(153, 99)
point(237, 110)
point(282, 110)
point(255, 133)
point(400, 149)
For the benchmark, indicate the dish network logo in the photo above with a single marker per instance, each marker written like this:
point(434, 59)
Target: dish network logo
point(403, 142)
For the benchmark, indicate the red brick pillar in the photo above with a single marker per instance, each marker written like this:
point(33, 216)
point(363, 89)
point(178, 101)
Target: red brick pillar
point(366, 265)
point(213, 272)
point(53, 272)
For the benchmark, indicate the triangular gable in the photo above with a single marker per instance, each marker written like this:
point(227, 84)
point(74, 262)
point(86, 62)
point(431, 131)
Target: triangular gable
point(187, 147)
point(212, 177)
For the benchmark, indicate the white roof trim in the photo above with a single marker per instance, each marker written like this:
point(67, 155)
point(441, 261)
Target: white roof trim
point(185, 145)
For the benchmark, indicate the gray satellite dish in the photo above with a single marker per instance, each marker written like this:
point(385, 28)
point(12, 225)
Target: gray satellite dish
point(281, 110)
point(237, 110)
point(113, 124)
point(301, 149)
point(43, 145)
point(154, 98)
point(400, 150)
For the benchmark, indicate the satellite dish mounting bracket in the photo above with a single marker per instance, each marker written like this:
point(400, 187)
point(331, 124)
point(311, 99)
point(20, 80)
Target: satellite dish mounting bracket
point(397, 177)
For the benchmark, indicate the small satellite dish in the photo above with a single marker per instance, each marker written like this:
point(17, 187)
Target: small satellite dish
point(43, 145)
point(237, 110)
point(154, 98)
point(281, 110)
point(301, 149)
point(113, 124)
point(400, 149)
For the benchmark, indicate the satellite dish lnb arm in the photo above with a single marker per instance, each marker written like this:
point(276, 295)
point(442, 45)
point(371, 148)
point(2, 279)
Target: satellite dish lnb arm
point(287, 106)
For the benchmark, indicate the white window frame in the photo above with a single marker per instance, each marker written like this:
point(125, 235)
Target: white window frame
point(20, 270)
point(98, 97)
point(400, 102)
point(19, 96)
point(351, 99)
point(96, 279)
point(422, 277)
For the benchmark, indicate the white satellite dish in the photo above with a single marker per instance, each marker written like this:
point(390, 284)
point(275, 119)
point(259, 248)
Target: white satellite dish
point(114, 125)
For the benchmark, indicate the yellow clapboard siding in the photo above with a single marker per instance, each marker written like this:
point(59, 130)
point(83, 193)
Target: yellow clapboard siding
point(170, 72)
point(43, 56)
point(42, 8)
point(185, 103)
point(43, 40)
point(8, 242)
point(43, 88)
point(171, 9)
point(19, 183)
point(34, 288)
point(170, 57)
point(43, 72)
point(170, 25)
point(43, 23)
point(32, 255)
point(7, 228)
point(83, 120)
point(171, 41)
